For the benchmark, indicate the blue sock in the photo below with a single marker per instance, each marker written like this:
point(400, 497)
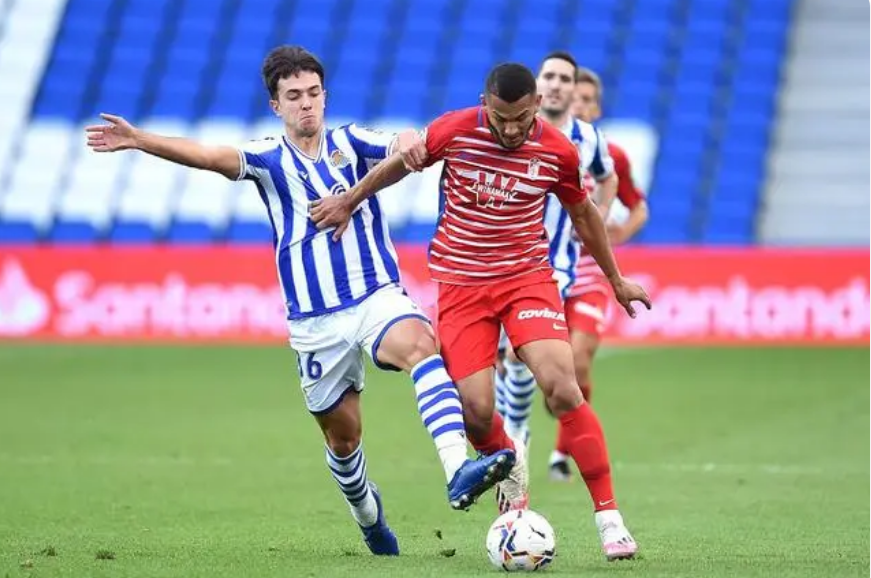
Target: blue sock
point(519, 387)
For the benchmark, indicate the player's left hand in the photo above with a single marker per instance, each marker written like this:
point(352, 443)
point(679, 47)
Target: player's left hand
point(626, 292)
point(412, 149)
point(334, 211)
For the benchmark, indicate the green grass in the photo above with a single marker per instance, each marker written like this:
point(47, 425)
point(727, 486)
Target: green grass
point(202, 462)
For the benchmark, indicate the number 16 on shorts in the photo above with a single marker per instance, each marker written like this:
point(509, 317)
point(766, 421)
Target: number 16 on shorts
point(308, 366)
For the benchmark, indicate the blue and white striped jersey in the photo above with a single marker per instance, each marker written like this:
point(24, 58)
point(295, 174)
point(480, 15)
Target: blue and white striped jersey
point(318, 275)
point(596, 162)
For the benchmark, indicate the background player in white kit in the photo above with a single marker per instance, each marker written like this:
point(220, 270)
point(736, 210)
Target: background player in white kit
point(556, 85)
point(342, 297)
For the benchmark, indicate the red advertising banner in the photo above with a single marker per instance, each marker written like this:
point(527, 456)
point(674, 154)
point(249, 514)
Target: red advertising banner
point(227, 293)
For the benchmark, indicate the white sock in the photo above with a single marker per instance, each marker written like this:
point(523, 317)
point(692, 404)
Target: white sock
point(438, 402)
point(350, 475)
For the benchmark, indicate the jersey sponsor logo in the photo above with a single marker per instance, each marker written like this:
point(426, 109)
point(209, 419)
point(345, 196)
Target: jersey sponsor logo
point(541, 314)
point(494, 190)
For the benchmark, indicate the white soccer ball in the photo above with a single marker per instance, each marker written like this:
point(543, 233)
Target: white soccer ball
point(521, 541)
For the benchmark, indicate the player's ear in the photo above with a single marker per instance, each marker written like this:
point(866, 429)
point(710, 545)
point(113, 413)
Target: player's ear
point(537, 101)
point(273, 104)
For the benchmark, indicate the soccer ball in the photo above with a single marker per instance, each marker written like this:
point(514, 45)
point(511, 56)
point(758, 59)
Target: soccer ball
point(521, 541)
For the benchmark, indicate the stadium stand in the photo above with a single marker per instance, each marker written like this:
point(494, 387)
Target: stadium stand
point(702, 74)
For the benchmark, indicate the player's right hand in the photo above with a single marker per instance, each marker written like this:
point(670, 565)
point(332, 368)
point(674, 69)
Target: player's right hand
point(117, 135)
point(334, 211)
point(412, 149)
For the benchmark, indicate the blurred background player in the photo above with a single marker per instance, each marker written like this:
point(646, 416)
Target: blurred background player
point(557, 83)
point(588, 300)
point(491, 261)
point(343, 297)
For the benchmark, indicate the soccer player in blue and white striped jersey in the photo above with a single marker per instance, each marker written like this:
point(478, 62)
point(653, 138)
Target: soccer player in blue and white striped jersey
point(343, 297)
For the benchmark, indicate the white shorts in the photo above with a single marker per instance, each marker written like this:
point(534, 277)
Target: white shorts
point(329, 347)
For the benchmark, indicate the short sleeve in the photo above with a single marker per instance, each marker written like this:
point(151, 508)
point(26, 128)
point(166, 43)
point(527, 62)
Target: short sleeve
point(372, 145)
point(254, 157)
point(439, 135)
point(602, 165)
point(569, 188)
point(627, 191)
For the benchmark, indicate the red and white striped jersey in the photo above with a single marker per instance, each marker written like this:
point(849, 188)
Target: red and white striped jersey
point(588, 275)
point(491, 225)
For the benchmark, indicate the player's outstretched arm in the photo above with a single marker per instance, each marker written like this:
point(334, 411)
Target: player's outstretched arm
point(118, 135)
point(590, 228)
point(336, 211)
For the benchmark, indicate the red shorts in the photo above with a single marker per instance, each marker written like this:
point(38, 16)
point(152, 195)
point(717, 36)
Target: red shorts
point(589, 312)
point(470, 316)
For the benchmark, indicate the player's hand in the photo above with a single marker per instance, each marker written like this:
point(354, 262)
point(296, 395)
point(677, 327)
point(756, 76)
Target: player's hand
point(334, 211)
point(626, 292)
point(117, 135)
point(412, 149)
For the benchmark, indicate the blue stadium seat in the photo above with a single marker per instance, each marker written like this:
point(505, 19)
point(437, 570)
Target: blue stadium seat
point(18, 232)
point(132, 232)
point(73, 232)
point(249, 232)
point(190, 232)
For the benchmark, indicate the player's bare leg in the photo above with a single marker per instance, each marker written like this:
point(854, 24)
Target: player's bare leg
point(486, 431)
point(552, 365)
point(409, 344)
point(342, 427)
point(584, 347)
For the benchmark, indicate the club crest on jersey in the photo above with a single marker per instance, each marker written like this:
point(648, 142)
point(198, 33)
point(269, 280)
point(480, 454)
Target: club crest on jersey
point(534, 167)
point(339, 160)
point(494, 190)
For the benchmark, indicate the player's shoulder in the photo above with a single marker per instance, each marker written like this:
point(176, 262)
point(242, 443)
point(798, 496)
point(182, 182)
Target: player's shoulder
point(617, 152)
point(587, 131)
point(471, 117)
point(263, 145)
point(556, 141)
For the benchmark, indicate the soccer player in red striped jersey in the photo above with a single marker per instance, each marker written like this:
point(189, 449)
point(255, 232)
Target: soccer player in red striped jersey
point(589, 298)
point(490, 258)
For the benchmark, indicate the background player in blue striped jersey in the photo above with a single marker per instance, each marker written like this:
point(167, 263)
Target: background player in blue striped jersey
point(342, 297)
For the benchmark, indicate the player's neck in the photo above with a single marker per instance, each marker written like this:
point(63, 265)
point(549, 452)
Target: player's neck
point(309, 145)
point(557, 120)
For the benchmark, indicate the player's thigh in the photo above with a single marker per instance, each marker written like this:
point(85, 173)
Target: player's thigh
point(394, 330)
point(586, 316)
point(468, 330)
point(328, 365)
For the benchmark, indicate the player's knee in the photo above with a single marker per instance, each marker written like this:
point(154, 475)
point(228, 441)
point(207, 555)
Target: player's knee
point(344, 439)
point(561, 389)
point(420, 348)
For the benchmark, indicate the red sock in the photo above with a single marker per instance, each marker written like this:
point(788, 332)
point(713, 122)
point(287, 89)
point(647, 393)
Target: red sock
point(586, 443)
point(563, 440)
point(495, 440)
point(587, 390)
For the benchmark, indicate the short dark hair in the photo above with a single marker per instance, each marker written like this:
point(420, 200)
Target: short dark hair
point(287, 61)
point(586, 75)
point(561, 55)
point(510, 82)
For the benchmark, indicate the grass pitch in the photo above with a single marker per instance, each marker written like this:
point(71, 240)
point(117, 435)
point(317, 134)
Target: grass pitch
point(202, 462)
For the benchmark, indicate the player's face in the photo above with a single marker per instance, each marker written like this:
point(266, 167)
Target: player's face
point(556, 85)
point(510, 122)
point(585, 105)
point(300, 103)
